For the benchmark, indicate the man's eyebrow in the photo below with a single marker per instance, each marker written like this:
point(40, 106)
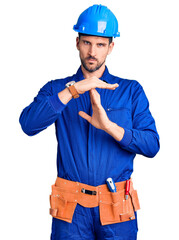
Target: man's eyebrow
point(102, 43)
point(86, 41)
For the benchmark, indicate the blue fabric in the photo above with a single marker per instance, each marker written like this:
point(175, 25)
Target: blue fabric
point(89, 155)
point(86, 226)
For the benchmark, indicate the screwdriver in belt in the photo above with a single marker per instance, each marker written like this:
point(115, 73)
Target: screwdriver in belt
point(111, 185)
point(127, 189)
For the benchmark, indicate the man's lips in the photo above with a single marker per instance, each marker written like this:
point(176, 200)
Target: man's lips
point(91, 59)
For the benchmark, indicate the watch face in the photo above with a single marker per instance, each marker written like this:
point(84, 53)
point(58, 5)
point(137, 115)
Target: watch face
point(70, 83)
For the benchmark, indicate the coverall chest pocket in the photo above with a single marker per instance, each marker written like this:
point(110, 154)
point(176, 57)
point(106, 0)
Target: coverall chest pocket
point(121, 116)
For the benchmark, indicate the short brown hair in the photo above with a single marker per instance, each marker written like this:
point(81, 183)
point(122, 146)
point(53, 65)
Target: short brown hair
point(82, 34)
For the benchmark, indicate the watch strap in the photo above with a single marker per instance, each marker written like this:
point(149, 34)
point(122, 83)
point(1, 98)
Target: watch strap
point(73, 91)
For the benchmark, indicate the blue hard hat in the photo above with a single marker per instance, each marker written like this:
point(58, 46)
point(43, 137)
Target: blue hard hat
point(97, 20)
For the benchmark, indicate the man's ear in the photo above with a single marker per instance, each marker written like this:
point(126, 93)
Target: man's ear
point(110, 47)
point(77, 42)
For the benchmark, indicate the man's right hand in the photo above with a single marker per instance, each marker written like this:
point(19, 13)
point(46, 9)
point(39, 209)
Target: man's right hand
point(93, 82)
point(85, 85)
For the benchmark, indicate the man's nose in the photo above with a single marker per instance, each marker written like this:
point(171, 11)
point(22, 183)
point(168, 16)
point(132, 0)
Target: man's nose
point(92, 50)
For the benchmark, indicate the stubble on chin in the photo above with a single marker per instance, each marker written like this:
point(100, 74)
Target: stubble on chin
point(92, 69)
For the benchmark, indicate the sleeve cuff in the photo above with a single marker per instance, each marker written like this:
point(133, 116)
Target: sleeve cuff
point(127, 138)
point(56, 103)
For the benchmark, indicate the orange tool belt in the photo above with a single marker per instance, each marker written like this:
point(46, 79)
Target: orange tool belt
point(112, 206)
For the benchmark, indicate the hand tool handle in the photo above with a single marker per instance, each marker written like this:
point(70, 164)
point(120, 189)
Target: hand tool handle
point(127, 189)
point(111, 185)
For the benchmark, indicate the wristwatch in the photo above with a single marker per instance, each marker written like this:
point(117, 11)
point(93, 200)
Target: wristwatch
point(72, 89)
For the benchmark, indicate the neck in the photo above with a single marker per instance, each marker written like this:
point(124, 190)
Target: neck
point(98, 73)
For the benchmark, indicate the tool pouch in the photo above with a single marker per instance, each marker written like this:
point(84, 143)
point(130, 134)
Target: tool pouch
point(62, 204)
point(114, 208)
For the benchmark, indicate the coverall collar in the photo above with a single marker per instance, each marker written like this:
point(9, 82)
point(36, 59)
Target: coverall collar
point(79, 75)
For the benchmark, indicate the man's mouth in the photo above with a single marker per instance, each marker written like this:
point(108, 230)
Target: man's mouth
point(91, 59)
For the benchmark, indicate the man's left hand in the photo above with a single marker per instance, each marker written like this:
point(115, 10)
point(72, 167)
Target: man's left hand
point(99, 118)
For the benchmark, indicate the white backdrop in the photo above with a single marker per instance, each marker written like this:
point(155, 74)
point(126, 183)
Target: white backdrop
point(37, 44)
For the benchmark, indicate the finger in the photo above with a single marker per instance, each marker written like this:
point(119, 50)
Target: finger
point(108, 85)
point(95, 97)
point(85, 116)
point(94, 92)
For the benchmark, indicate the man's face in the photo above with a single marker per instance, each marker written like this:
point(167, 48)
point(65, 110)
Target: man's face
point(93, 51)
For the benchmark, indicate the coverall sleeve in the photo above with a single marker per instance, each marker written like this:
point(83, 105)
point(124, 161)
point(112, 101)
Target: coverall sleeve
point(42, 112)
point(143, 137)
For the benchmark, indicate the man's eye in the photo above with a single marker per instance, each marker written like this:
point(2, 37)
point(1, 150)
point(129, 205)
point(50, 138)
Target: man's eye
point(100, 44)
point(86, 43)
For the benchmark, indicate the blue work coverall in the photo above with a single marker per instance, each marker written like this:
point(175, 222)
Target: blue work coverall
point(90, 155)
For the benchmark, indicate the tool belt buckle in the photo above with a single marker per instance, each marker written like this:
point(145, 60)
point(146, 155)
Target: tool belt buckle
point(88, 191)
